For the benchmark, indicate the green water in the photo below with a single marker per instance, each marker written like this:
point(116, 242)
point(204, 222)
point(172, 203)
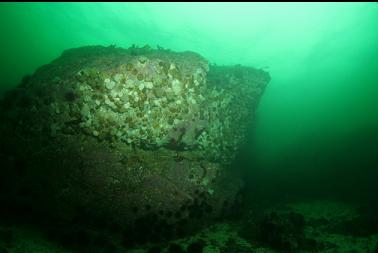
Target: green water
point(316, 126)
point(322, 56)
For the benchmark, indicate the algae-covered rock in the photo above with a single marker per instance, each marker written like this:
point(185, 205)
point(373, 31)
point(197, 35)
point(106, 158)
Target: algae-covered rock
point(133, 137)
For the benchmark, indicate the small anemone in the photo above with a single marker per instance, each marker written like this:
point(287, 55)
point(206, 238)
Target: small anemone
point(129, 66)
point(140, 77)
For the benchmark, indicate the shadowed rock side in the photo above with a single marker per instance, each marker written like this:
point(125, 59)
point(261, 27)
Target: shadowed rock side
point(127, 138)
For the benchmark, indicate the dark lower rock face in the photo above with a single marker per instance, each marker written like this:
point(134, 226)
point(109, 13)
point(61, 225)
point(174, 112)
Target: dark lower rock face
point(132, 140)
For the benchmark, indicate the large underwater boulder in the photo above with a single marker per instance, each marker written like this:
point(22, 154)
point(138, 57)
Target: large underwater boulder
point(131, 138)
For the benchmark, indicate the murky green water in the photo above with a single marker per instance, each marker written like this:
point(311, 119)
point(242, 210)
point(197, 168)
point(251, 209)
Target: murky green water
point(315, 131)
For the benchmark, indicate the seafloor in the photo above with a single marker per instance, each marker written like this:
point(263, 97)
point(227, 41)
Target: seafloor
point(304, 226)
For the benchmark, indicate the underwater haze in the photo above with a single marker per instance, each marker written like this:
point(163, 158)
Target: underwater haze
point(322, 56)
point(314, 136)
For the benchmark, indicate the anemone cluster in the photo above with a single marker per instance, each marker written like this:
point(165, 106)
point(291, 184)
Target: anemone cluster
point(139, 102)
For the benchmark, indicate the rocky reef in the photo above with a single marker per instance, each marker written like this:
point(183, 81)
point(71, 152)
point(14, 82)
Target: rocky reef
point(133, 139)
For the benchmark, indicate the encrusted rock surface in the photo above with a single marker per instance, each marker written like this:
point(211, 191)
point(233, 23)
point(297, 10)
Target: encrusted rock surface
point(129, 136)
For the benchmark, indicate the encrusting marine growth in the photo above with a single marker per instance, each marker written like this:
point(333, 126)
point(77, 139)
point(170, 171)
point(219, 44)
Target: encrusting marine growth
point(129, 136)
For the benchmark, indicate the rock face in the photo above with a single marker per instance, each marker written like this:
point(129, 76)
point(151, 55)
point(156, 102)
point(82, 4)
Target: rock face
point(133, 137)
